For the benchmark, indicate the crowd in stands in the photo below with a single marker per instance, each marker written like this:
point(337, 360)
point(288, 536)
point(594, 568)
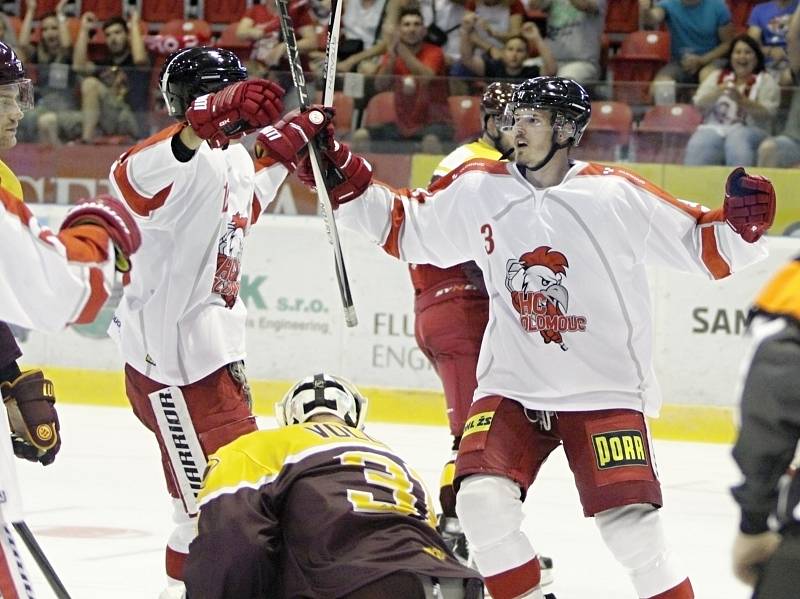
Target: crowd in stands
point(719, 73)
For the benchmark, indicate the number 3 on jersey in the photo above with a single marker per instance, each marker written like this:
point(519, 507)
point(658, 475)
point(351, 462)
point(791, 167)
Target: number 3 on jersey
point(384, 472)
point(486, 231)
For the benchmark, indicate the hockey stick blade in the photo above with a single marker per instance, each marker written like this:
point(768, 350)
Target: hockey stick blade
point(299, 81)
point(41, 560)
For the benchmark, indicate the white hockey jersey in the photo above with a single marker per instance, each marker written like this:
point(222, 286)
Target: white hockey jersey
point(49, 280)
point(181, 317)
point(570, 325)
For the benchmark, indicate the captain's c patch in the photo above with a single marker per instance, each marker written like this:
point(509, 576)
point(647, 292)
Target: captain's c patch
point(619, 448)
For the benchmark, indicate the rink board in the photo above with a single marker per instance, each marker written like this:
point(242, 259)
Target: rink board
point(295, 326)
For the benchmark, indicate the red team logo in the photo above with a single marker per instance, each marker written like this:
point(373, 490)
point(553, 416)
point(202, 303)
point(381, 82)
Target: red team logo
point(229, 260)
point(534, 281)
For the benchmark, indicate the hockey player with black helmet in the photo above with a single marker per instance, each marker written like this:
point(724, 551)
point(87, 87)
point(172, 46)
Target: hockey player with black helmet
point(566, 358)
point(180, 325)
point(319, 508)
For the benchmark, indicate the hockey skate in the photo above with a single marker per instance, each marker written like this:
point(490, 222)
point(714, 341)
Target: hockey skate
point(456, 541)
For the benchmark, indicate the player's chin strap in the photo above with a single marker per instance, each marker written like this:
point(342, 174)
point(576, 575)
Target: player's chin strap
point(554, 147)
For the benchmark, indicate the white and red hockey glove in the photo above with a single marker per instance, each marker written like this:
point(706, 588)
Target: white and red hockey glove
point(289, 137)
point(30, 404)
point(236, 110)
point(347, 175)
point(749, 206)
point(109, 213)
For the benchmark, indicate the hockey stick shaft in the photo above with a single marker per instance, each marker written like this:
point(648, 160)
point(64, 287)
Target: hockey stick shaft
point(298, 78)
point(41, 560)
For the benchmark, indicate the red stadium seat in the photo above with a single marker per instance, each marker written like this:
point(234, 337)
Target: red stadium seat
point(229, 41)
point(380, 110)
point(664, 131)
point(162, 11)
point(608, 131)
point(465, 112)
point(642, 54)
point(42, 8)
point(102, 9)
point(622, 16)
point(344, 105)
point(185, 33)
point(224, 11)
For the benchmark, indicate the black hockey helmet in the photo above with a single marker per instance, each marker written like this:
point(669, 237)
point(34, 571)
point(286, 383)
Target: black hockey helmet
point(192, 72)
point(556, 94)
point(322, 394)
point(496, 96)
point(12, 72)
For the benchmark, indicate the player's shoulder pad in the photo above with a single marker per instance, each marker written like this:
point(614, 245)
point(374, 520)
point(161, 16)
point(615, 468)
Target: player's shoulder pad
point(483, 165)
point(593, 169)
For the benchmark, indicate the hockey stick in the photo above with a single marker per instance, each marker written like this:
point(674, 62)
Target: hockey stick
point(41, 559)
point(313, 150)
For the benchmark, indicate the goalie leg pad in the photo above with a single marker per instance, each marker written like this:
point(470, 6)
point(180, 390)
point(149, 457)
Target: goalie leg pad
point(490, 511)
point(635, 536)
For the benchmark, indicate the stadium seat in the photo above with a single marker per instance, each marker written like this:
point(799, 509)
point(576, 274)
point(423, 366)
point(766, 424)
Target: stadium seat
point(163, 10)
point(102, 9)
point(608, 131)
point(380, 110)
point(664, 131)
point(42, 8)
point(622, 16)
point(185, 33)
point(465, 112)
point(642, 54)
point(229, 41)
point(224, 11)
point(344, 106)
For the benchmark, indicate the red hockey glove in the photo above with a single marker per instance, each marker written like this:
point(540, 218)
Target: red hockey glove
point(347, 175)
point(32, 415)
point(236, 110)
point(283, 142)
point(109, 213)
point(749, 206)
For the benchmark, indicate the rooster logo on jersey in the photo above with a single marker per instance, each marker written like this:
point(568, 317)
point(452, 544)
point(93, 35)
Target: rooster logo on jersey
point(535, 283)
point(229, 260)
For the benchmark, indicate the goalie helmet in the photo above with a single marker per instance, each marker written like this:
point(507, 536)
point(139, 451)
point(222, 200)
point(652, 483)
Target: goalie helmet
point(12, 78)
point(322, 394)
point(560, 96)
point(193, 72)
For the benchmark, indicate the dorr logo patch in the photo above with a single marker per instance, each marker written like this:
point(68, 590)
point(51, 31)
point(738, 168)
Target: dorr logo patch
point(619, 448)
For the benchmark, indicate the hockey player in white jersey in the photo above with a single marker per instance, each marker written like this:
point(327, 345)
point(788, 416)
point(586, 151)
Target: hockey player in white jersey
point(566, 358)
point(49, 281)
point(181, 323)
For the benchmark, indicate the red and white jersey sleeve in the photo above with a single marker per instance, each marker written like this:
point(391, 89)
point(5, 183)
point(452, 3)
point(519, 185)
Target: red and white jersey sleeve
point(570, 324)
point(181, 316)
point(49, 280)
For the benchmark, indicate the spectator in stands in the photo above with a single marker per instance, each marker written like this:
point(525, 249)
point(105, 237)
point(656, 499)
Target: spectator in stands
point(497, 21)
point(420, 88)
point(366, 28)
point(784, 149)
point(115, 89)
point(768, 24)
point(513, 57)
point(7, 34)
point(574, 29)
point(445, 16)
point(55, 81)
point(700, 34)
point(261, 26)
point(739, 101)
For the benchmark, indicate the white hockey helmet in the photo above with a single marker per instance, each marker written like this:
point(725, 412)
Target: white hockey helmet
point(322, 394)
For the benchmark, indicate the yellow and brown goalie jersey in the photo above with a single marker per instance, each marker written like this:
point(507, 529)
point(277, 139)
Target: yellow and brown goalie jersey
point(314, 510)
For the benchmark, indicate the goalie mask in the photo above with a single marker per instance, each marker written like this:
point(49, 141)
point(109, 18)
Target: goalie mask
point(16, 90)
point(193, 72)
point(322, 394)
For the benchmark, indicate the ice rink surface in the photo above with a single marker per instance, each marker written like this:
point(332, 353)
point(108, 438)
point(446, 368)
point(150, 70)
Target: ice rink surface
point(102, 514)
